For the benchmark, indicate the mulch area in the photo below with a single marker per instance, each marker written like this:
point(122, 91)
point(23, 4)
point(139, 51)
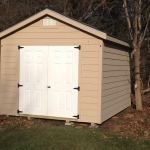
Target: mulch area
point(128, 123)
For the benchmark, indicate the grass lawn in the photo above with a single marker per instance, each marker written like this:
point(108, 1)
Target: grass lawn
point(41, 134)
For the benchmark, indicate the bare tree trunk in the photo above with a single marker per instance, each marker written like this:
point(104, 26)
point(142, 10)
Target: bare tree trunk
point(137, 86)
point(134, 22)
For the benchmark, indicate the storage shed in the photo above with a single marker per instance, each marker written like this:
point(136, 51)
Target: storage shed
point(55, 67)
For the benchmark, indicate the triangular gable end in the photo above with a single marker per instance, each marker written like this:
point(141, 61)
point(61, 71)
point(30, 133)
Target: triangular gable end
point(59, 17)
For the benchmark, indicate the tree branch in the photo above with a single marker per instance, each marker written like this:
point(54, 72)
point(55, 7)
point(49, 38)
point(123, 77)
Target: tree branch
point(128, 19)
point(88, 10)
point(135, 26)
point(139, 15)
point(146, 28)
point(67, 7)
point(95, 9)
point(147, 90)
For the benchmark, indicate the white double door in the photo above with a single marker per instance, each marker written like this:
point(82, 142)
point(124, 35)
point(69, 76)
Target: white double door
point(48, 75)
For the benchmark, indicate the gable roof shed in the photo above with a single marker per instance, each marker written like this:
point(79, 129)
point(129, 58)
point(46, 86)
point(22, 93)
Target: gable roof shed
point(62, 70)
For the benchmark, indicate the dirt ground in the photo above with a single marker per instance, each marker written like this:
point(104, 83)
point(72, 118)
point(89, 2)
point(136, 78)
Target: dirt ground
point(128, 123)
point(131, 122)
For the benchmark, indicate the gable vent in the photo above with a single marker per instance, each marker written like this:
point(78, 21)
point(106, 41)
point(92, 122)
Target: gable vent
point(49, 22)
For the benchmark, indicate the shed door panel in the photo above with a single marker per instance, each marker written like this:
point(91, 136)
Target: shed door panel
point(33, 77)
point(62, 78)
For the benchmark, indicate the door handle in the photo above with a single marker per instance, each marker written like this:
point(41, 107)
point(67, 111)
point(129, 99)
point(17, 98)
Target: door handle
point(48, 87)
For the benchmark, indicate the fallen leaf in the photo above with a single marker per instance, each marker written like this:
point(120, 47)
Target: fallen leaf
point(104, 136)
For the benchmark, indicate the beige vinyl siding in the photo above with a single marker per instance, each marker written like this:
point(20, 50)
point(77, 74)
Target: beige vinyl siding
point(10, 79)
point(116, 81)
point(90, 76)
point(63, 34)
point(115, 111)
point(0, 82)
point(53, 42)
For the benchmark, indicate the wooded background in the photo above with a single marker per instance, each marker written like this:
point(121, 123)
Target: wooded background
point(109, 16)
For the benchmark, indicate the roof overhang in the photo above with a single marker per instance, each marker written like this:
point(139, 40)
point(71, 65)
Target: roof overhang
point(115, 40)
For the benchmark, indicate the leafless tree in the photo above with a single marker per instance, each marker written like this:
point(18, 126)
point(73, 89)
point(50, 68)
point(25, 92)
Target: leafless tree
point(101, 14)
point(137, 13)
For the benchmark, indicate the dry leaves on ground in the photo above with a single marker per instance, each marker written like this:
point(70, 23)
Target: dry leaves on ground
point(19, 121)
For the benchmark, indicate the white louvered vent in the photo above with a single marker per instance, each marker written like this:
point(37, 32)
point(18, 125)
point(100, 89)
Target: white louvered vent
point(49, 22)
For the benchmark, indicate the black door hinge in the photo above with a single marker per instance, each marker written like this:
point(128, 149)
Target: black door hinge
point(78, 47)
point(19, 47)
point(77, 88)
point(18, 111)
point(19, 85)
point(76, 116)
point(48, 87)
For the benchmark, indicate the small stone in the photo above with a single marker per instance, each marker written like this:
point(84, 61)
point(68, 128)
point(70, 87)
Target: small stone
point(69, 123)
point(93, 125)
